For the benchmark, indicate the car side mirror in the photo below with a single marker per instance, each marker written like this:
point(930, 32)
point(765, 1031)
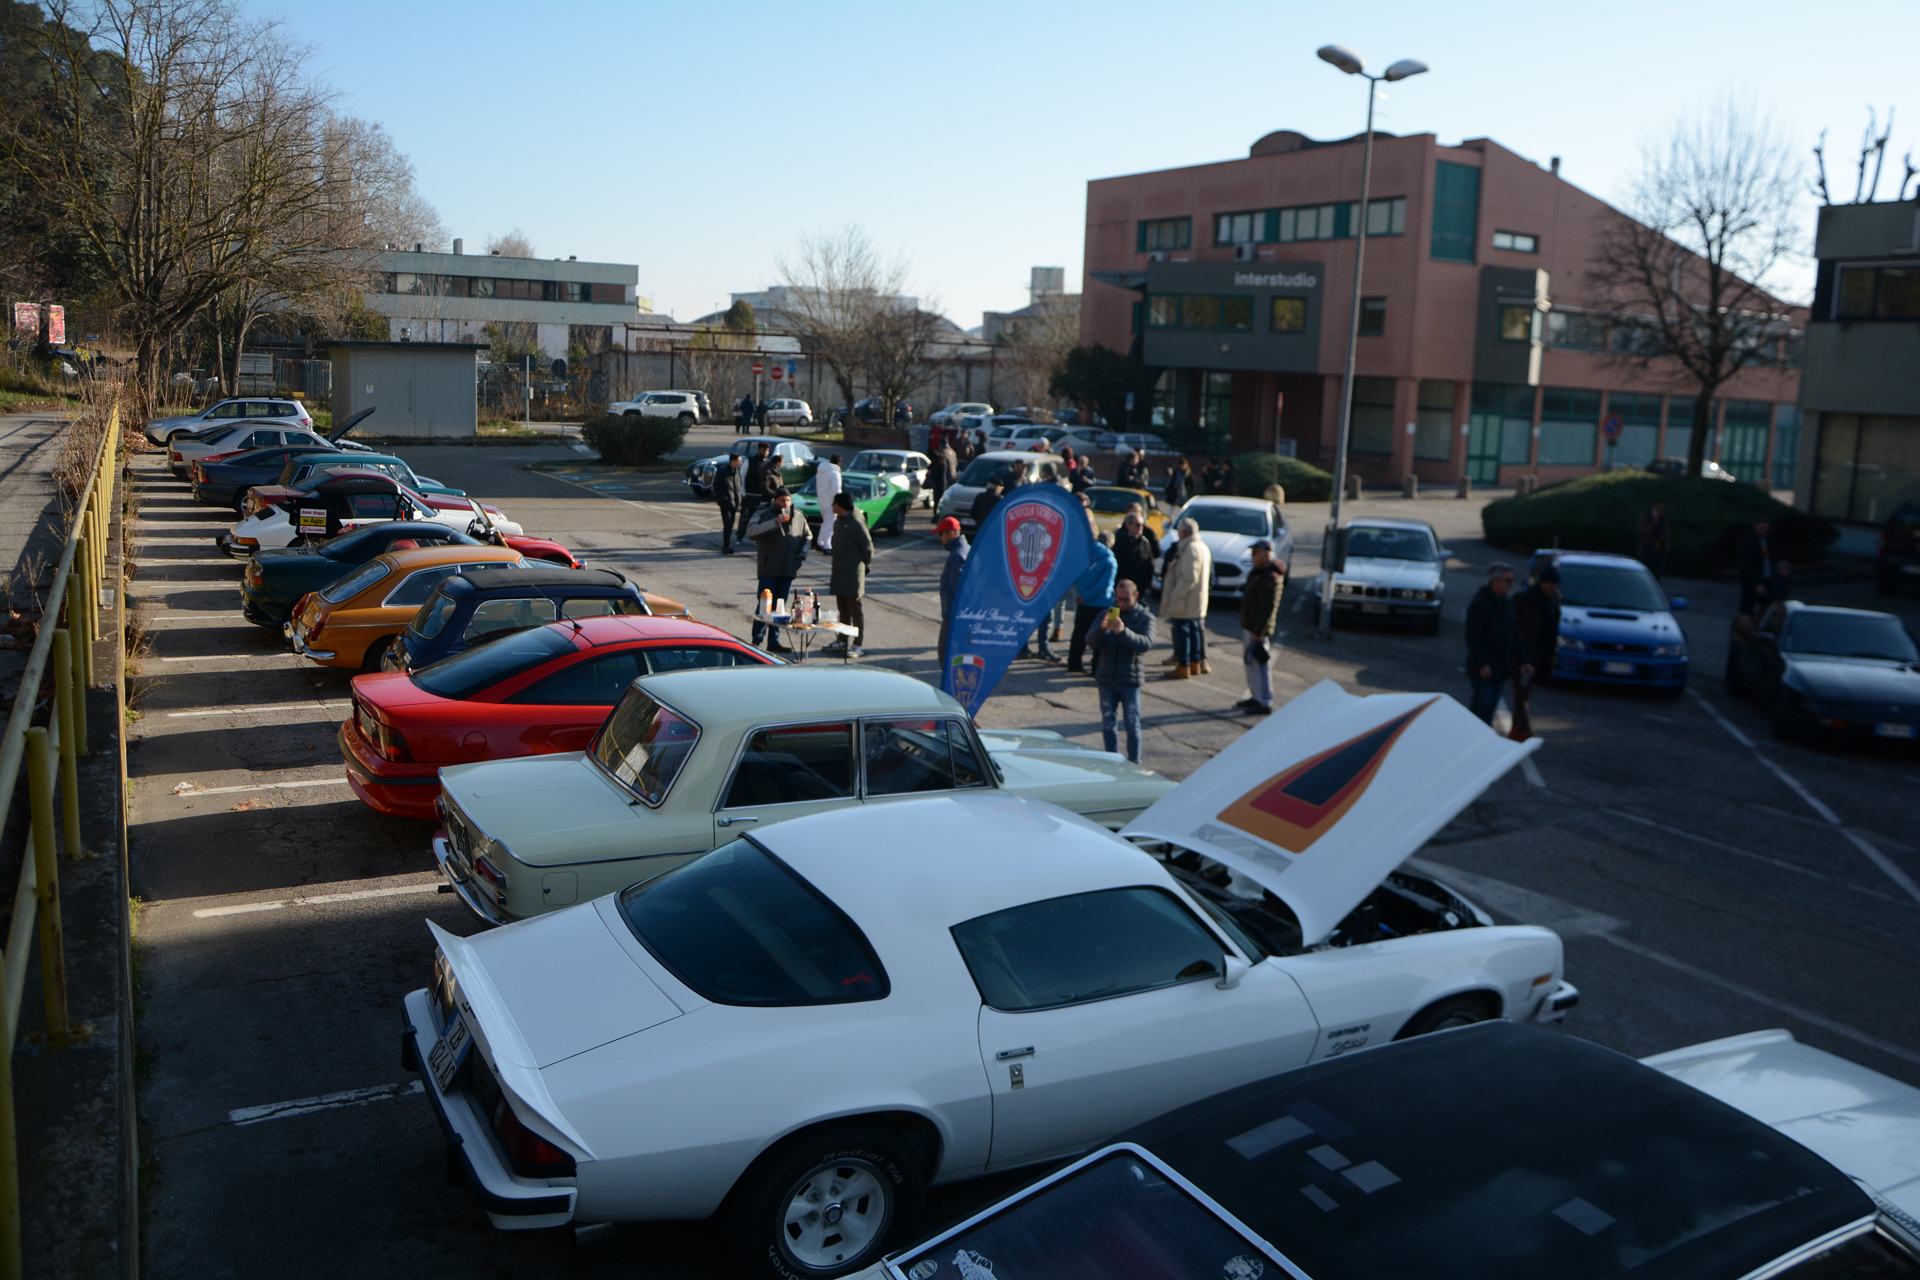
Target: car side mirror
point(1676, 603)
point(1236, 969)
point(1445, 554)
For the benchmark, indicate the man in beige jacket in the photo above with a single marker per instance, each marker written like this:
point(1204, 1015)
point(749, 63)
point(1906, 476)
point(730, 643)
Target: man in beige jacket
point(1183, 600)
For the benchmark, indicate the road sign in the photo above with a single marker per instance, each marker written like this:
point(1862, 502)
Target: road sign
point(1611, 425)
point(793, 367)
point(759, 368)
point(776, 373)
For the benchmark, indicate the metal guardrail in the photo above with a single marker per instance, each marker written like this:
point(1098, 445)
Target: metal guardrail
point(50, 755)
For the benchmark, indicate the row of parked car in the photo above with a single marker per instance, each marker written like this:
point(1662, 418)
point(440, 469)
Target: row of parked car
point(708, 873)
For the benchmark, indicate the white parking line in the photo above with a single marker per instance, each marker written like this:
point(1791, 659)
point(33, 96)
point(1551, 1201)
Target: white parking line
point(192, 617)
point(225, 657)
point(262, 786)
point(279, 904)
point(1892, 870)
point(325, 1102)
point(248, 711)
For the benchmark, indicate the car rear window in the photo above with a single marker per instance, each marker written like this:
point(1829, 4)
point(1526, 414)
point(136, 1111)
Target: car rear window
point(644, 745)
point(467, 673)
point(1850, 635)
point(356, 582)
point(740, 928)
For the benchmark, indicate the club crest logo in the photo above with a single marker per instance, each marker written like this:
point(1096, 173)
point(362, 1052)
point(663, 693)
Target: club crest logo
point(1033, 544)
point(1295, 808)
point(969, 669)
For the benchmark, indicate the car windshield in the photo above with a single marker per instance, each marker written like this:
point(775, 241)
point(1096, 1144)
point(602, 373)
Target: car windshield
point(885, 463)
point(981, 470)
point(1115, 500)
point(1072, 1227)
point(468, 672)
point(1850, 635)
point(1390, 544)
point(1246, 522)
point(740, 928)
point(1605, 586)
point(356, 582)
point(644, 745)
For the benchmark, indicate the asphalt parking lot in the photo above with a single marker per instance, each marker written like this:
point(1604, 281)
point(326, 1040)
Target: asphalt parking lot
point(1708, 879)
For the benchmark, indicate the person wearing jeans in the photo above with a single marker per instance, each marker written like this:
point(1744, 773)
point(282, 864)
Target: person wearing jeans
point(1094, 588)
point(1117, 643)
point(1183, 599)
point(1493, 641)
point(1259, 615)
point(782, 535)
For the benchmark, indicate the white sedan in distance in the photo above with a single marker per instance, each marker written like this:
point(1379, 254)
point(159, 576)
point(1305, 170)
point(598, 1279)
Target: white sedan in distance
point(808, 1026)
point(1230, 527)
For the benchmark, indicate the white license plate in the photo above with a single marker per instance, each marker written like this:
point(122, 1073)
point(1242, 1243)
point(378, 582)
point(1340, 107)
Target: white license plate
point(447, 1051)
point(1894, 730)
point(1367, 606)
point(1617, 668)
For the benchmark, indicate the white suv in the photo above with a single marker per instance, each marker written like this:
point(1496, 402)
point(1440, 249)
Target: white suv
point(228, 413)
point(684, 405)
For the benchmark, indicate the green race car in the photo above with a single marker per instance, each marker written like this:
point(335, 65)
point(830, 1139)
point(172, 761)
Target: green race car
point(883, 500)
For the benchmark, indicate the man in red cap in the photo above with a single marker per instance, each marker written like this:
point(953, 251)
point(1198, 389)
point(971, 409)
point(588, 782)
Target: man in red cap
point(948, 531)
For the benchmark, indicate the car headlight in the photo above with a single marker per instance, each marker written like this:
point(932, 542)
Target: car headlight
point(1669, 650)
point(1572, 644)
point(1346, 588)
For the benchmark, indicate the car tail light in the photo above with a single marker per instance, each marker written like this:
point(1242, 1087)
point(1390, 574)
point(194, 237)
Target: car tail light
point(216, 457)
point(173, 455)
point(319, 622)
point(255, 575)
point(531, 1155)
point(381, 735)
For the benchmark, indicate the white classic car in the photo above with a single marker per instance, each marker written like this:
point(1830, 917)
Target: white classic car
point(686, 762)
point(1001, 981)
point(1230, 527)
point(272, 524)
point(1390, 568)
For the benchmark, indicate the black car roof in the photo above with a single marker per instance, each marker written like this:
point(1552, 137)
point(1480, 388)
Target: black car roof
point(518, 582)
point(1502, 1150)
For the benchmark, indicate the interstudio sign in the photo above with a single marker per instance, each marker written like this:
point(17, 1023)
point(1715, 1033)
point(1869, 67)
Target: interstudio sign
point(1258, 280)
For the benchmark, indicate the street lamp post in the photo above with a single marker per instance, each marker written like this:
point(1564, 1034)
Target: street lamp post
point(1349, 62)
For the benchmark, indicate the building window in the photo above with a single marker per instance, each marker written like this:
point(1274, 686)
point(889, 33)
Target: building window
point(1569, 422)
point(1503, 420)
point(1639, 437)
point(1516, 322)
point(1385, 217)
point(1878, 293)
point(1372, 430)
point(1216, 410)
point(1163, 311)
point(1166, 233)
point(1241, 228)
point(579, 292)
point(1518, 241)
point(1289, 315)
point(1236, 312)
point(1456, 211)
point(1786, 446)
point(482, 288)
point(1199, 311)
point(1433, 421)
point(1679, 426)
point(1633, 335)
point(1373, 316)
point(1743, 438)
point(410, 282)
point(1867, 465)
point(1166, 400)
point(1139, 316)
point(1576, 331)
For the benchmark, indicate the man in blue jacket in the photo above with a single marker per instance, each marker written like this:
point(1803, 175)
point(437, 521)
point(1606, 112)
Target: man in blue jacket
point(1117, 644)
point(1096, 597)
point(948, 531)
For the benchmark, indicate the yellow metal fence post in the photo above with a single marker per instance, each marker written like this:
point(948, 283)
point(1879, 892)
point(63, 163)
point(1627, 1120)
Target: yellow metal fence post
point(63, 712)
point(46, 870)
point(11, 1265)
point(76, 678)
point(86, 586)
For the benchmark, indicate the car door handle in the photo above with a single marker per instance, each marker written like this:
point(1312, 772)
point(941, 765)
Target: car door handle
point(727, 822)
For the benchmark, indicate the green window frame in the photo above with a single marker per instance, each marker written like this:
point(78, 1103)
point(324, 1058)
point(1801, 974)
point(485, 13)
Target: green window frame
point(1576, 331)
point(1372, 425)
point(1163, 311)
point(1199, 311)
point(1456, 211)
point(1373, 317)
point(1232, 311)
point(1236, 312)
point(1433, 420)
point(1288, 314)
point(1569, 426)
point(1252, 227)
point(1786, 445)
point(1886, 292)
point(1164, 233)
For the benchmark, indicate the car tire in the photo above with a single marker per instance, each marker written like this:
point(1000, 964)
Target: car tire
point(375, 653)
point(864, 1175)
point(1443, 1015)
point(898, 525)
point(686, 420)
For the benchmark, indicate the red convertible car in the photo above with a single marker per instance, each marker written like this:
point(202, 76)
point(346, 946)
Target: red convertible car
point(531, 692)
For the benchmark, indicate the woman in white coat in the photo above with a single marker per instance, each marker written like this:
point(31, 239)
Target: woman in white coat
point(826, 486)
point(1183, 600)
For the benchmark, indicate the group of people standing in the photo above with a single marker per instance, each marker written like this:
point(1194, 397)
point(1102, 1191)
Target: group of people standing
point(1512, 636)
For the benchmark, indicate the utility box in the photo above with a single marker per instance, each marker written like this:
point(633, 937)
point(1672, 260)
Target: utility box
point(424, 389)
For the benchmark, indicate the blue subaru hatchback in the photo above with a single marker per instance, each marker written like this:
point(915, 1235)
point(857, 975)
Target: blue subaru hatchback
point(1616, 623)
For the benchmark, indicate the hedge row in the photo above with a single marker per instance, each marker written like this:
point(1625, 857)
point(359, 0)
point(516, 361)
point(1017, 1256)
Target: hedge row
point(1706, 519)
point(634, 441)
point(1302, 482)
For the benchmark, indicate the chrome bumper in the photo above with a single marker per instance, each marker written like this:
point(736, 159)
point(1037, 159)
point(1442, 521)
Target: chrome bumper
point(462, 884)
point(301, 647)
point(1563, 998)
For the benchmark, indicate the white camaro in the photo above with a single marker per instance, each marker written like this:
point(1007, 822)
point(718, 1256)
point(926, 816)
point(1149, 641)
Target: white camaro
point(273, 526)
point(808, 1026)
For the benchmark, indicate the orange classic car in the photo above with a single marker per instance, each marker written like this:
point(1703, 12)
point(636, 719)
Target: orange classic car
point(351, 623)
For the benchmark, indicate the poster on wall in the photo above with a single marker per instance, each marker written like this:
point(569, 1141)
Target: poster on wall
point(26, 317)
point(57, 325)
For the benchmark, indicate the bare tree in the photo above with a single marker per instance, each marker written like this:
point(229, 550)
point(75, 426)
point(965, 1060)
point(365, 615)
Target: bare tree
point(834, 290)
point(1033, 349)
point(195, 160)
point(1710, 216)
point(893, 352)
point(514, 244)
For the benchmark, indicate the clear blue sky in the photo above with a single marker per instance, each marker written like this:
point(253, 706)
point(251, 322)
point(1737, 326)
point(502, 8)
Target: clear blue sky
point(701, 140)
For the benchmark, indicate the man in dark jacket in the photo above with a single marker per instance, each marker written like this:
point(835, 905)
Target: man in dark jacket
point(727, 493)
point(753, 484)
point(1651, 549)
point(1536, 615)
point(1259, 615)
point(941, 473)
point(1493, 641)
point(1135, 551)
point(783, 535)
point(742, 415)
point(852, 554)
point(1756, 568)
point(1133, 471)
point(948, 531)
point(1117, 643)
point(984, 502)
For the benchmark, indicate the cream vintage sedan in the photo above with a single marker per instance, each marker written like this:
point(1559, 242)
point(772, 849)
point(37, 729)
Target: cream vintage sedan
point(692, 760)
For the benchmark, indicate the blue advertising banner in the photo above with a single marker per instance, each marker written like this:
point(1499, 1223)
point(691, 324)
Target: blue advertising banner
point(1023, 559)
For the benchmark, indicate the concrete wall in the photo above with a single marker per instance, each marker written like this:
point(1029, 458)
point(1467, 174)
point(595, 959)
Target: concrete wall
point(417, 389)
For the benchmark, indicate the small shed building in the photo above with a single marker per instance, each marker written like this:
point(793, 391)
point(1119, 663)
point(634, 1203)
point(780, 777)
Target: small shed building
point(420, 388)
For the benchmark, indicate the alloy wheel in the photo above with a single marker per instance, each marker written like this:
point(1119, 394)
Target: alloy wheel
point(835, 1212)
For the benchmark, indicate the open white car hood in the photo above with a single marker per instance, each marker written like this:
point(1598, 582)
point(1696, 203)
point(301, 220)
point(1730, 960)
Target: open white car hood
point(1321, 800)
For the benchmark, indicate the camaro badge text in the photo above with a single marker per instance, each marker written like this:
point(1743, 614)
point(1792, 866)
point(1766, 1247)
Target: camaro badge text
point(1295, 808)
